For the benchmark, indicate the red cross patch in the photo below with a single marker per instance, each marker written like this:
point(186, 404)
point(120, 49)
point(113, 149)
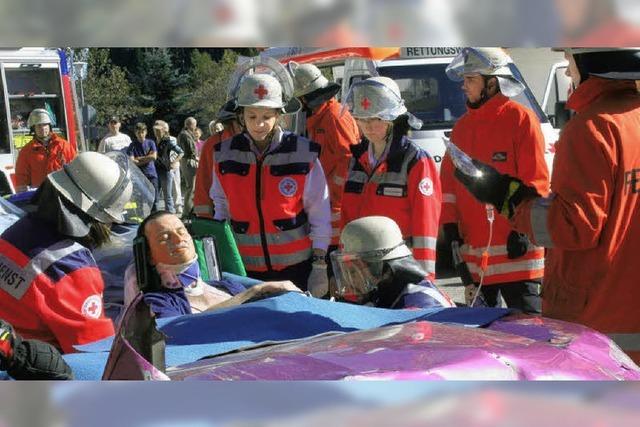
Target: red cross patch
point(261, 91)
point(288, 187)
point(92, 307)
point(365, 103)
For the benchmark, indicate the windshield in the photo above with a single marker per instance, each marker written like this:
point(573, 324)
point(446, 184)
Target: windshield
point(437, 101)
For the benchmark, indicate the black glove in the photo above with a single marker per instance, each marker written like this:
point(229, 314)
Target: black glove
point(517, 245)
point(451, 234)
point(30, 359)
point(503, 191)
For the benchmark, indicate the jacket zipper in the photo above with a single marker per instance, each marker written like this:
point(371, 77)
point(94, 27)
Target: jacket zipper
point(263, 237)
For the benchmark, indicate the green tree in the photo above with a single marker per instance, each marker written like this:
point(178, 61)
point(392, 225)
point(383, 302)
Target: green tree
point(107, 88)
point(159, 82)
point(207, 88)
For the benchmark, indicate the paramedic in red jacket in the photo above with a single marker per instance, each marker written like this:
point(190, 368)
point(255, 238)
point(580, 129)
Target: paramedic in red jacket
point(224, 127)
point(269, 183)
point(507, 135)
point(45, 153)
point(335, 132)
point(50, 286)
point(589, 222)
point(389, 175)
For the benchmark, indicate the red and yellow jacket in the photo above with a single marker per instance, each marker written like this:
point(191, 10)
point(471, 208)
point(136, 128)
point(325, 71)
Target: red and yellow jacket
point(35, 161)
point(265, 202)
point(336, 134)
point(590, 221)
point(507, 136)
point(404, 187)
point(202, 203)
point(50, 287)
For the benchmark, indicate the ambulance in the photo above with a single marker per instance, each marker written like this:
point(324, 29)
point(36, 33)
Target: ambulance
point(31, 78)
point(420, 73)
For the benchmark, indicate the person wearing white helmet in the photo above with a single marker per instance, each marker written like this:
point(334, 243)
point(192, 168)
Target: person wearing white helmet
point(225, 126)
point(589, 223)
point(498, 130)
point(270, 184)
point(375, 267)
point(389, 174)
point(335, 132)
point(50, 286)
point(45, 153)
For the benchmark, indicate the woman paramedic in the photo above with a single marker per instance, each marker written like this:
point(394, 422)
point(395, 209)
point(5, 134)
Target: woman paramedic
point(269, 183)
point(389, 175)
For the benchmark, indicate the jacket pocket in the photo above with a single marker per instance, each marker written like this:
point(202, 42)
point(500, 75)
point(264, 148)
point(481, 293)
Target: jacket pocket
point(290, 169)
point(239, 227)
point(291, 223)
point(233, 167)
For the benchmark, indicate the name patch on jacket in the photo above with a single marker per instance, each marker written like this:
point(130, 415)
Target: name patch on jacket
point(12, 278)
point(499, 156)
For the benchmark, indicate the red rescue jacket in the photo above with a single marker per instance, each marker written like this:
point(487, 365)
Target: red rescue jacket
point(35, 161)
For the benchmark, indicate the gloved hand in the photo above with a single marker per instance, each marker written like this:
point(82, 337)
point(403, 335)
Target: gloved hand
point(318, 282)
point(8, 340)
point(517, 245)
point(501, 190)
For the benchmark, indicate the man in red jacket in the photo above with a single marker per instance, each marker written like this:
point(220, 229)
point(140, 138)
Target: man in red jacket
point(589, 223)
point(47, 152)
point(502, 132)
point(335, 132)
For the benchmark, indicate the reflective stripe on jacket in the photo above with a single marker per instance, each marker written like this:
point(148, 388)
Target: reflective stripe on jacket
point(50, 287)
point(336, 134)
point(591, 219)
point(404, 187)
point(507, 136)
point(265, 199)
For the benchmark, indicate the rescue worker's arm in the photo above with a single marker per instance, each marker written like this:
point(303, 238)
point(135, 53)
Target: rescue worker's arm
point(256, 292)
point(72, 306)
point(336, 154)
point(217, 194)
point(316, 205)
point(425, 198)
point(23, 170)
point(529, 150)
point(449, 213)
point(202, 203)
point(573, 217)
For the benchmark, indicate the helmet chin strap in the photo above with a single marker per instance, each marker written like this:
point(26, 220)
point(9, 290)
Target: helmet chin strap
point(484, 96)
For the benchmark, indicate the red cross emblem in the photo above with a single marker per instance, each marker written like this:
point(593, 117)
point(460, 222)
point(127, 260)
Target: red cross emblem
point(93, 308)
point(365, 103)
point(288, 187)
point(261, 91)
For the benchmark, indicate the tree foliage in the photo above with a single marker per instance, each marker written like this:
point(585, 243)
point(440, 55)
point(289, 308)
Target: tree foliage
point(107, 88)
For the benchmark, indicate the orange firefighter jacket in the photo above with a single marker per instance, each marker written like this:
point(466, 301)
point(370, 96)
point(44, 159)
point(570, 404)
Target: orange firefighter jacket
point(507, 136)
point(35, 161)
point(336, 134)
point(591, 220)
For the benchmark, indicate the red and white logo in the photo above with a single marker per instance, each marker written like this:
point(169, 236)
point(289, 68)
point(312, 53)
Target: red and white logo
point(92, 307)
point(426, 186)
point(288, 187)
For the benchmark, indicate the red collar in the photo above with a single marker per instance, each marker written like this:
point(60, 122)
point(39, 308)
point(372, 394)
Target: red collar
point(489, 108)
point(593, 88)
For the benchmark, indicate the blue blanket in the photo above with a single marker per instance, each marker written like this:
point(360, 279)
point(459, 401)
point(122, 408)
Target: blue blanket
point(282, 318)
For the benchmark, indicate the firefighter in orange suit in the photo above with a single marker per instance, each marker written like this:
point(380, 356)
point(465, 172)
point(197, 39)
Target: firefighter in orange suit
point(389, 175)
point(335, 132)
point(269, 183)
point(223, 128)
point(47, 152)
point(507, 135)
point(589, 222)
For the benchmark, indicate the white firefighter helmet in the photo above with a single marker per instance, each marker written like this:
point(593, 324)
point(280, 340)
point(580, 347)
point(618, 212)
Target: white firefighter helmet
point(96, 184)
point(486, 61)
point(263, 82)
point(38, 116)
point(366, 243)
point(618, 63)
point(378, 97)
point(307, 78)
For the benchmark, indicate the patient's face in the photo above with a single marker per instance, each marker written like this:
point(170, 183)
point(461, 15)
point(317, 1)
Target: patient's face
point(169, 241)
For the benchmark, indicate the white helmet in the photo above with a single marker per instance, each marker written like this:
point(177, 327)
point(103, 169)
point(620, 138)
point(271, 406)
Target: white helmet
point(260, 90)
point(39, 116)
point(486, 61)
point(307, 78)
point(366, 243)
point(378, 97)
point(95, 184)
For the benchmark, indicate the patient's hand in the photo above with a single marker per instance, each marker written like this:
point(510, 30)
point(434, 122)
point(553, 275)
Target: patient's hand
point(268, 288)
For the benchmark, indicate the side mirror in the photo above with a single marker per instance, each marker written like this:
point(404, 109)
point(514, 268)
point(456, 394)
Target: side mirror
point(561, 114)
